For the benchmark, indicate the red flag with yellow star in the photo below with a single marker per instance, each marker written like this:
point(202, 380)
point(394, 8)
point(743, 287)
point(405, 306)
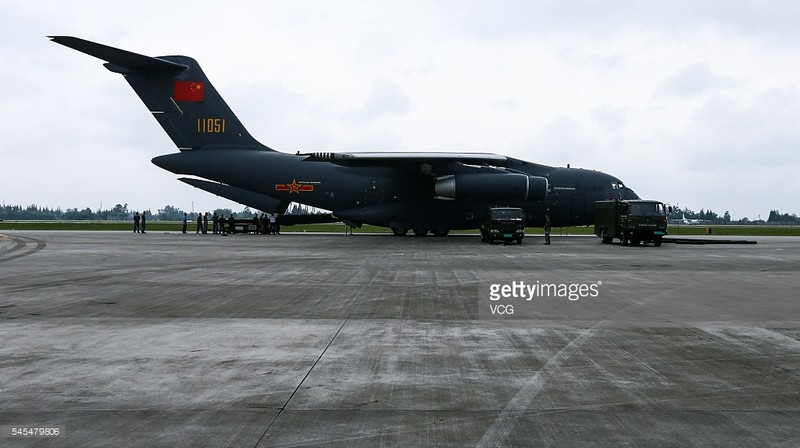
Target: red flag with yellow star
point(188, 91)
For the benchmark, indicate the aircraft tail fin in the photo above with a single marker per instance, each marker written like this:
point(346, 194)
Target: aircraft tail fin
point(177, 93)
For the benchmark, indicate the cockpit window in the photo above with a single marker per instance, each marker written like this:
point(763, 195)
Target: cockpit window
point(617, 185)
point(646, 209)
point(509, 213)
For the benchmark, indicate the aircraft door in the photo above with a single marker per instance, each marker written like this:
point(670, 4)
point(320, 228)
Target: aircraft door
point(578, 206)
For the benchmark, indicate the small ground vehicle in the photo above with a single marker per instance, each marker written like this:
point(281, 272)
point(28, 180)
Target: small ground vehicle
point(503, 223)
point(631, 221)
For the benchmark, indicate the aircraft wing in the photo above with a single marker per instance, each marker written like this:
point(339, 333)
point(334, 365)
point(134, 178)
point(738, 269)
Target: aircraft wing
point(430, 163)
point(395, 158)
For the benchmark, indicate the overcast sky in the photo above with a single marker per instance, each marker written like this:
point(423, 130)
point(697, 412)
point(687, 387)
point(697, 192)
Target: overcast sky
point(690, 102)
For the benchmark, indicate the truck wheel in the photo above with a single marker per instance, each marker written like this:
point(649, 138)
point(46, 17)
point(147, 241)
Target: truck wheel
point(441, 232)
point(399, 231)
point(657, 241)
point(418, 231)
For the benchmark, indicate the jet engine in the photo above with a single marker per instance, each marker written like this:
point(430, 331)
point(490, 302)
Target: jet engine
point(492, 186)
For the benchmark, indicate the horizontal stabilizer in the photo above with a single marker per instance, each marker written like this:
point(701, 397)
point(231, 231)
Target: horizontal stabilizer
point(125, 60)
point(249, 198)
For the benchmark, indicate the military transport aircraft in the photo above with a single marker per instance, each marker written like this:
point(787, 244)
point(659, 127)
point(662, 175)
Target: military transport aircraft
point(420, 191)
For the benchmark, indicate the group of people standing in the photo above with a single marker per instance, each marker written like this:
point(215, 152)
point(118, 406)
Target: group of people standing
point(218, 223)
point(265, 224)
point(137, 219)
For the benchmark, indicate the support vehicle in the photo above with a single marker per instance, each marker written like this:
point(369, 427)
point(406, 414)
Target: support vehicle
point(503, 223)
point(631, 221)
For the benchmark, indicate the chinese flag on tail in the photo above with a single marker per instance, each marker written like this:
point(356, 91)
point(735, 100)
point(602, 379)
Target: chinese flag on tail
point(188, 91)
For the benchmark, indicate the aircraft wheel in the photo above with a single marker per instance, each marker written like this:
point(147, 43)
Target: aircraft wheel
point(399, 231)
point(624, 238)
point(441, 232)
point(420, 231)
point(607, 239)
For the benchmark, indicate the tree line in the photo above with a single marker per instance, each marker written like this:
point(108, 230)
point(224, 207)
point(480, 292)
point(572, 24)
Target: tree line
point(710, 217)
point(121, 212)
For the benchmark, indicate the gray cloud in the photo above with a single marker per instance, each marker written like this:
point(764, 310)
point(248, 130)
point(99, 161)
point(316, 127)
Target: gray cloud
point(694, 79)
point(278, 116)
point(509, 104)
point(386, 97)
point(610, 118)
point(752, 134)
point(561, 141)
point(769, 19)
point(583, 58)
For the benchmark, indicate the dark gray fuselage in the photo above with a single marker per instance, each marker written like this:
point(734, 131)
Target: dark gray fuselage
point(392, 196)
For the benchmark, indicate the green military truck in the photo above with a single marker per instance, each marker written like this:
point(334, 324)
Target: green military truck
point(631, 221)
point(503, 223)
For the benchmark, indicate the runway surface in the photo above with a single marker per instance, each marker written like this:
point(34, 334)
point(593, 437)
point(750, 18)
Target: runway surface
point(368, 340)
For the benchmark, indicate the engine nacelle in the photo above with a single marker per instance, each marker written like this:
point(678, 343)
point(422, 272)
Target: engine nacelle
point(492, 186)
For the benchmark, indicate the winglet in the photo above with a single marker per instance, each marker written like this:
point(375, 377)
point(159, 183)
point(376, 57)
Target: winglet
point(119, 60)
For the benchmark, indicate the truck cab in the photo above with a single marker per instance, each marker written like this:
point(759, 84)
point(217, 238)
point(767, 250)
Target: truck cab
point(503, 223)
point(631, 221)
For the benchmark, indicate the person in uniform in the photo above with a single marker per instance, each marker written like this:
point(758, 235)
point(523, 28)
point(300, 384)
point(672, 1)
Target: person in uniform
point(546, 229)
point(136, 222)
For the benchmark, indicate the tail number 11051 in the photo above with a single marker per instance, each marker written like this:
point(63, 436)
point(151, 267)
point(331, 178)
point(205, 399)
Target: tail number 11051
point(210, 125)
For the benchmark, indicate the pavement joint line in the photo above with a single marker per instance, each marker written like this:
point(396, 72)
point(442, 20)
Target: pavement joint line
point(325, 350)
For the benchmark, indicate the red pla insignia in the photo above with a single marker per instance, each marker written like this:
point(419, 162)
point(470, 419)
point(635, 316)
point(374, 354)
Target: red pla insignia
point(188, 91)
point(294, 187)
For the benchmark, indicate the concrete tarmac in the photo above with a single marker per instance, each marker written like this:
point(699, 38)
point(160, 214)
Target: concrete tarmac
point(175, 340)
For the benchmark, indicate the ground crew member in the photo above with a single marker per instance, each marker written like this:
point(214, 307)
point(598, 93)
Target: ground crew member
point(546, 229)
